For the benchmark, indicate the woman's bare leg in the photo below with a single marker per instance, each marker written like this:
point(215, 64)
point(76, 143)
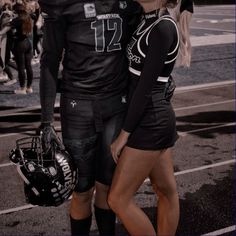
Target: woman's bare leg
point(164, 184)
point(132, 169)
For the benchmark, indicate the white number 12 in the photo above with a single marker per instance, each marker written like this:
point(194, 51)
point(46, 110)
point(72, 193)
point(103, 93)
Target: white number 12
point(113, 24)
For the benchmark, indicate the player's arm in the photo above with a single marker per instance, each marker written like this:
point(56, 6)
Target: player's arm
point(53, 45)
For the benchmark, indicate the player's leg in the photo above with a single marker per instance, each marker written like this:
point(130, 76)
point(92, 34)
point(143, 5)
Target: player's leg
point(164, 184)
point(133, 167)
point(80, 208)
point(80, 213)
point(80, 141)
point(105, 217)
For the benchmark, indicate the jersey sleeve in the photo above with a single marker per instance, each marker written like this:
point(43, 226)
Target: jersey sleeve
point(161, 39)
point(53, 44)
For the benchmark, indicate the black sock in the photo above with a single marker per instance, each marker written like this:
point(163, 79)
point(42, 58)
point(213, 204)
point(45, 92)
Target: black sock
point(106, 221)
point(80, 227)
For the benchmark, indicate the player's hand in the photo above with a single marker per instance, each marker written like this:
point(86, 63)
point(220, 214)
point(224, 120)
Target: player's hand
point(118, 145)
point(49, 138)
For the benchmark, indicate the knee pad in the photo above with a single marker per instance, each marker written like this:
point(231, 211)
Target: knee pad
point(84, 184)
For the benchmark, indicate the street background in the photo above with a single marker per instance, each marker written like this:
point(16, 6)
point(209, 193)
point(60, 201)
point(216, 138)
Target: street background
point(204, 155)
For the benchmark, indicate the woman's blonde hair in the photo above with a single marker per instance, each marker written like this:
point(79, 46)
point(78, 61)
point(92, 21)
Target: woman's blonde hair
point(183, 20)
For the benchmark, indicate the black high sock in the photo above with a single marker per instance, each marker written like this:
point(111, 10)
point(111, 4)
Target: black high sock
point(80, 227)
point(106, 221)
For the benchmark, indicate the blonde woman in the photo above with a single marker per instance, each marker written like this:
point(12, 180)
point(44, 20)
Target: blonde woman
point(143, 147)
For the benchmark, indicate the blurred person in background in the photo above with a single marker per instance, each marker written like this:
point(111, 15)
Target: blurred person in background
point(22, 49)
point(35, 13)
point(6, 35)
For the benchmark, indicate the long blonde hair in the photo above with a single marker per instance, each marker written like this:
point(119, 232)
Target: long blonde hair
point(183, 20)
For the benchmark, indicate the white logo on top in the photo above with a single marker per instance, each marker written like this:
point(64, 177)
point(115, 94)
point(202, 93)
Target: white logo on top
point(89, 10)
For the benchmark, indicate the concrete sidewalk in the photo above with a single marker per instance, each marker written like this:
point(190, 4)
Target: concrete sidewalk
point(9, 100)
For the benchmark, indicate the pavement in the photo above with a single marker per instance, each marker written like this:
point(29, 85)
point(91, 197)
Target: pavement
point(204, 163)
point(10, 100)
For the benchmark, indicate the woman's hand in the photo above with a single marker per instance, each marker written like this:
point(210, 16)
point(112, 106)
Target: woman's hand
point(118, 145)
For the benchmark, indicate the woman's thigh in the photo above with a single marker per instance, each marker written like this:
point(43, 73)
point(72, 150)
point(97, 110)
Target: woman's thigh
point(162, 174)
point(132, 168)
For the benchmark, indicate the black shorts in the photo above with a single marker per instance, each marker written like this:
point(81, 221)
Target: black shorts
point(157, 128)
point(88, 129)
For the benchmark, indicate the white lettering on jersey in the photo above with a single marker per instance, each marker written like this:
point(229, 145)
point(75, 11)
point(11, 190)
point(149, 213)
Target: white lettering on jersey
point(107, 16)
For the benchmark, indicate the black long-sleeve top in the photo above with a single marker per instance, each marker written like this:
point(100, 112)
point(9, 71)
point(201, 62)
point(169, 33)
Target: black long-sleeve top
point(152, 52)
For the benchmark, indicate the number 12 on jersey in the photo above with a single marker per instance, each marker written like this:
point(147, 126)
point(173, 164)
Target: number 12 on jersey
point(113, 27)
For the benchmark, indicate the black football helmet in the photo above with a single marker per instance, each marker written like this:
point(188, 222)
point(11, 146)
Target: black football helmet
point(49, 179)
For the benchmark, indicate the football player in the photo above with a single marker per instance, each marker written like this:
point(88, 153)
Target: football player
point(89, 37)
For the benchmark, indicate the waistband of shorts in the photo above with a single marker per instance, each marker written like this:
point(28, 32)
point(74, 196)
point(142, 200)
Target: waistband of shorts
point(94, 98)
point(97, 106)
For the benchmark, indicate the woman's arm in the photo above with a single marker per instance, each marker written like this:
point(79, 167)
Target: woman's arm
point(118, 144)
point(160, 40)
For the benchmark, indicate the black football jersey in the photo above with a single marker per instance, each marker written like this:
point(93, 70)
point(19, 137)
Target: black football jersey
point(92, 37)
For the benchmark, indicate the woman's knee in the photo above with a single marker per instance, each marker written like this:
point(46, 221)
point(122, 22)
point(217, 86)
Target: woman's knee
point(114, 201)
point(166, 190)
point(21, 72)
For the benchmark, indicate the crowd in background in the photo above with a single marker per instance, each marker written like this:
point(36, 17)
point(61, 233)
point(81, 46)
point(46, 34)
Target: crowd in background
point(20, 42)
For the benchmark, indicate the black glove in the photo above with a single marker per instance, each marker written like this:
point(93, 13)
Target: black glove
point(49, 138)
point(170, 88)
